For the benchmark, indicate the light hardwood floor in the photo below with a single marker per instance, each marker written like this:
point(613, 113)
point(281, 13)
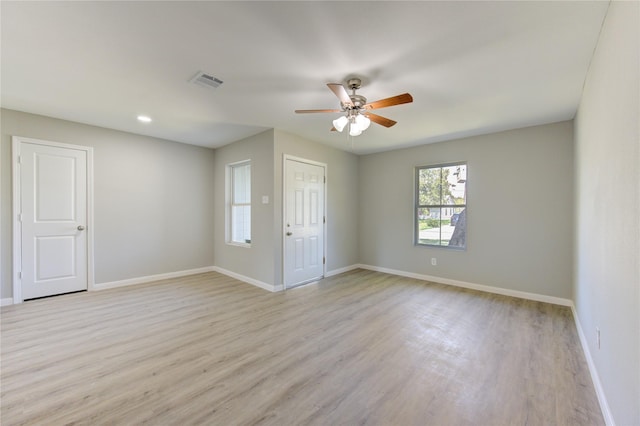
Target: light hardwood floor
point(358, 348)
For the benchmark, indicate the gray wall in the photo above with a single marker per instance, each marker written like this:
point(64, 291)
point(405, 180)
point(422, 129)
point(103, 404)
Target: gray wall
point(607, 268)
point(519, 223)
point(263, 260)
point(153, 199)
point(256, 261)
point(159, 204)
point(342, 198)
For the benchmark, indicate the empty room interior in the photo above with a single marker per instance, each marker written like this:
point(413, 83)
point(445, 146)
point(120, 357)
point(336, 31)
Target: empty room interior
point(328, 213)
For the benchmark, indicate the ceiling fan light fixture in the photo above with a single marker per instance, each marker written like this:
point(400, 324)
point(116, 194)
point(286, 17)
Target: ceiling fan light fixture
point(340, 122)
point(355, 130)
point(363, 122)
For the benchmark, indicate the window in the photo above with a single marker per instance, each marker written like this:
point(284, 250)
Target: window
point(441, 205)
point(239, 203)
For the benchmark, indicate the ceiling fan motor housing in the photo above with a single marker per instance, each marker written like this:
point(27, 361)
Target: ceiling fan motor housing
point(358, 101)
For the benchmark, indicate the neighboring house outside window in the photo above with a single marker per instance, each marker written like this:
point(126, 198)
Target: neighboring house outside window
point(441, 205)
point(239, 203)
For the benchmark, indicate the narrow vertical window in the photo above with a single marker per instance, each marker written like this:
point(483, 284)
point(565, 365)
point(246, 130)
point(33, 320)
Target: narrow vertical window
point(441, 205)
point(239, 203)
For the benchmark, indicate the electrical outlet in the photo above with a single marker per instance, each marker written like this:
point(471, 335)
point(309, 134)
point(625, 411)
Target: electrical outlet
point(598, 337)
point(434, 261)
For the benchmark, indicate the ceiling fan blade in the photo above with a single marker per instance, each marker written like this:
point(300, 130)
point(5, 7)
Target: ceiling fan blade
point(383, 121)
point(307, 111)
point(405, 98)
point(341, 93)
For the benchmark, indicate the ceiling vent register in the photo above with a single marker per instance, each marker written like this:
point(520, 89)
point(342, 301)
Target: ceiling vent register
point(205, 80)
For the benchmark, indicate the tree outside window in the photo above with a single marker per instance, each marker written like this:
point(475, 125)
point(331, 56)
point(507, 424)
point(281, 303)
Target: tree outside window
point(441, 205)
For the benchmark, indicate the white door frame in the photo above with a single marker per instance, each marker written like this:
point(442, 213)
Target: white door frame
point(17, 234)
point(286, 157)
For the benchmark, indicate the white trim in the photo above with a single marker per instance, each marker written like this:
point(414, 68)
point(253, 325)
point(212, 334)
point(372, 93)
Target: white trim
point(1, 275)
point(228, 197)
point(248, 280)
point(90, 221)
point(238, 244)
point(304, 160)
point(480, 287)
point(150, 278)
point(17, 239)
point(15, 212)
point(325, 254)
point(6, 302)
point(595, 378)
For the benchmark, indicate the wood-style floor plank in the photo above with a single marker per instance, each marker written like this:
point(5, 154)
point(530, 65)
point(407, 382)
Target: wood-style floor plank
point(358, 348)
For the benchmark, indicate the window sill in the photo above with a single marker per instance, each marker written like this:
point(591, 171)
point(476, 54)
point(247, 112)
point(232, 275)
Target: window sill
point(233, 243)
point(456, 248)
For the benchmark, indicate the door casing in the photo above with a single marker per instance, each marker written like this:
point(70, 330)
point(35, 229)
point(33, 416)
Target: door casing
point(285, 158)
point(17, 141)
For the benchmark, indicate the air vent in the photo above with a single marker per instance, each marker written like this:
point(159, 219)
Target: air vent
point(205, 80)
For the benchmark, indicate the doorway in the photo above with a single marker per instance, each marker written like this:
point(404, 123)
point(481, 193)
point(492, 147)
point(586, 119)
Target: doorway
point(52, 221)
point(304, 221)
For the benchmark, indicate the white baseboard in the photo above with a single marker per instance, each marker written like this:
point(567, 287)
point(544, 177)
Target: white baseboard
point(487, 289)
point(274, 288)
point(604, 406)
point(150, 278)
point(595, 378)
point(248, 280)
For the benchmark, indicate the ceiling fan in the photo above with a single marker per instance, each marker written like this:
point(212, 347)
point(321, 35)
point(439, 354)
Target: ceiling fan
point(356, 109)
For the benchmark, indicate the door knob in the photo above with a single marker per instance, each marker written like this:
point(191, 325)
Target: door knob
point(289, 233)
point(80, 228)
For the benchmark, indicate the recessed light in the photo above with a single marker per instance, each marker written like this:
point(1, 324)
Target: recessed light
point(144, 119)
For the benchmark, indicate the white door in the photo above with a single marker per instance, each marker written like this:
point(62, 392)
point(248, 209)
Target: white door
point(304, 222)
point(52, 220)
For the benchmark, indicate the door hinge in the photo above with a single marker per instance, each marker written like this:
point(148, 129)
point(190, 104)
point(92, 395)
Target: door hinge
point(324, 219)
point(325, 179)
point(19, 275)
point(324, 260)
point(19, 217)
point(19, 159)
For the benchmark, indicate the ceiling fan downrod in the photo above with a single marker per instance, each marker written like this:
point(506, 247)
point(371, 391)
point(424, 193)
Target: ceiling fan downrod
point(358, 101)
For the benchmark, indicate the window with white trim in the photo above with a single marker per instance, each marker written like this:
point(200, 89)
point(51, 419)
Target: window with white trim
point(239, 203)
point(441, 205)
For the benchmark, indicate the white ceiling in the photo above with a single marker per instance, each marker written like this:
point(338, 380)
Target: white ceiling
point(472, 67)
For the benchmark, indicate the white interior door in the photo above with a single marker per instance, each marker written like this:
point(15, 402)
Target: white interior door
point(304, 222)
point(52, 220)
